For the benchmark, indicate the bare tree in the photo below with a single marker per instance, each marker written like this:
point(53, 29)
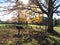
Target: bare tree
point(48, 7)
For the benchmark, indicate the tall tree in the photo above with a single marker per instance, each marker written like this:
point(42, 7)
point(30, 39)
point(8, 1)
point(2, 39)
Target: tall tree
point(48, 7)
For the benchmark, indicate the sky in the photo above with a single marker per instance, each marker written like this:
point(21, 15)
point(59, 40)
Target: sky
point(9, 16)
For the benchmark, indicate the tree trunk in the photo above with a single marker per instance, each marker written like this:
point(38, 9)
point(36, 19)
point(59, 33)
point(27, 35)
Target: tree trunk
point(50, 23)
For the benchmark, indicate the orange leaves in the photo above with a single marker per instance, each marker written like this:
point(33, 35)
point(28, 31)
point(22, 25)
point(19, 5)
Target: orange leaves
point(23, 19)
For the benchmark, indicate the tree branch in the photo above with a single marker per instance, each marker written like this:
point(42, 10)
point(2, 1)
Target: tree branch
point(54, 1)
point(56, 8)
point(57, 12)
point(41, 7)
point(21, 8)
point(44, 5)
point(35, 11)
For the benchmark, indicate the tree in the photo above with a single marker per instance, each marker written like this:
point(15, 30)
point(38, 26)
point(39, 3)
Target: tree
point(48, 7)
point(22, 17)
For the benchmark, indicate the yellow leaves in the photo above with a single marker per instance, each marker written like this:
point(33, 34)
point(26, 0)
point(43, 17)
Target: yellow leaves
point(29, 21)
point(30, 13)
point(37, 19)
point(34, 9)
point(40, 18)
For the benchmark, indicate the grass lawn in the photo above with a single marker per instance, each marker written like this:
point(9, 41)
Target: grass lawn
point(57, 29)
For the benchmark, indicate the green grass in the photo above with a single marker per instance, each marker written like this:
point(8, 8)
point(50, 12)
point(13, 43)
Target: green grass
point(57, 29)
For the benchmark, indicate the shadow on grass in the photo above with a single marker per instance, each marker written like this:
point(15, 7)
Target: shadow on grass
point(54, 33)
point(42, 37)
